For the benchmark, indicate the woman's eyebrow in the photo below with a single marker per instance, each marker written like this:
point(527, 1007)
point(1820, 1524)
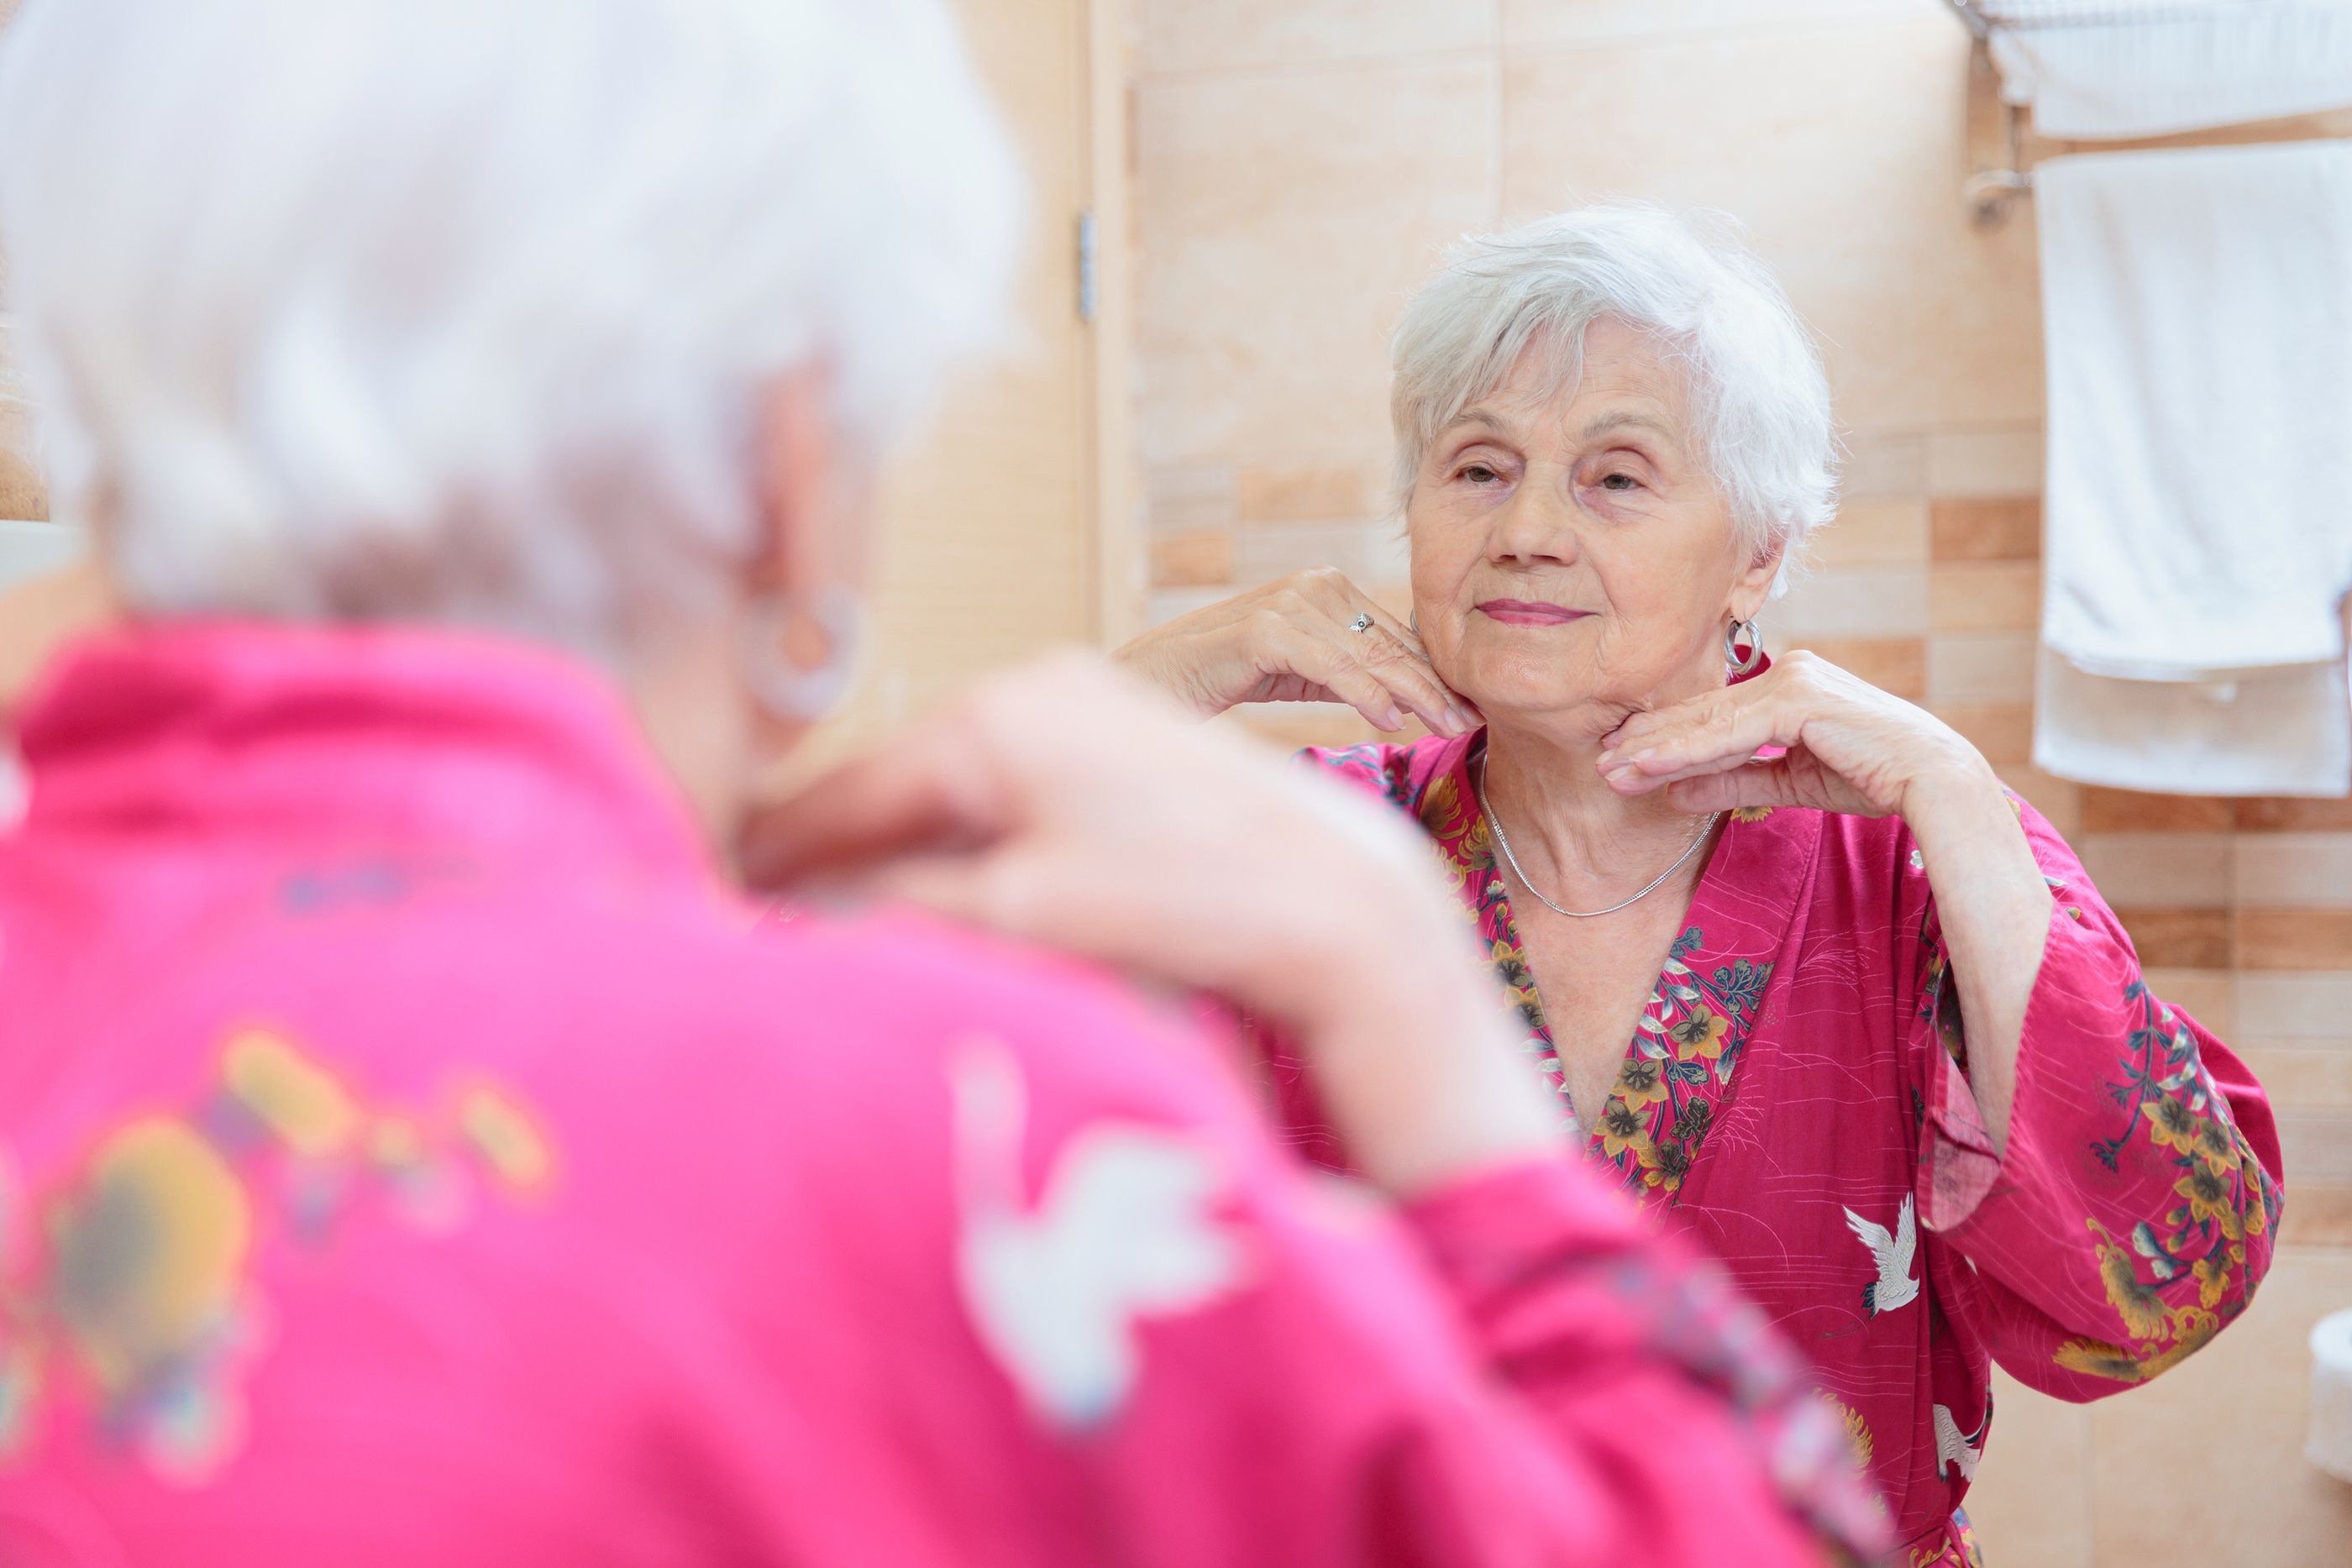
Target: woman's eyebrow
point(1481, 417)
point(1609, 424)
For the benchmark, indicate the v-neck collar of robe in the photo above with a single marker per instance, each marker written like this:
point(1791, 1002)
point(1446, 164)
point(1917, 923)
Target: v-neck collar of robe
point(1683, 1062)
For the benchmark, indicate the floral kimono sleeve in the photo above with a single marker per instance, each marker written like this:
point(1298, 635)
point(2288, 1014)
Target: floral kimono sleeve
point(2134, 1207)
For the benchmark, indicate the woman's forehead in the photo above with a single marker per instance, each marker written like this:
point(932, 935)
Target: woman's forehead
point(1623, 379)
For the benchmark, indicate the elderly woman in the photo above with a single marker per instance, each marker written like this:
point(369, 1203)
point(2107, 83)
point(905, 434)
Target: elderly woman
point(413, 1155)
point(1814, 986)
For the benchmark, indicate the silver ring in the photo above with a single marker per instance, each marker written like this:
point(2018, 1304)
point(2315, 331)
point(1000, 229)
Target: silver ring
point(1361, 623)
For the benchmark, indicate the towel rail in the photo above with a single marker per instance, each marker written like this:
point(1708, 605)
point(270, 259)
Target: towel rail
point(1991, 191)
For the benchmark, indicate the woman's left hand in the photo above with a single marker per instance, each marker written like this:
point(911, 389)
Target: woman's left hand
point(1849, 747)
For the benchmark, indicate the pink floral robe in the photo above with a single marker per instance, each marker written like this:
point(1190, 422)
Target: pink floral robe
point(409, 1155)
point(1795, 1097)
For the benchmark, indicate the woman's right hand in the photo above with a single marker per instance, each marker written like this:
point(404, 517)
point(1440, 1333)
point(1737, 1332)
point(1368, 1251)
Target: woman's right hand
point(1293, 640)
point(1064, 805)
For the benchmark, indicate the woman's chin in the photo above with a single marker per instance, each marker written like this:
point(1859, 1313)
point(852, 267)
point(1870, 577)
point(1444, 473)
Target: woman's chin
point(1523, 693)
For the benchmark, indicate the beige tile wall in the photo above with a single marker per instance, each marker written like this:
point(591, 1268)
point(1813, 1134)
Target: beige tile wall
point(1301, 163)
point(22, 493)
point(23, 497)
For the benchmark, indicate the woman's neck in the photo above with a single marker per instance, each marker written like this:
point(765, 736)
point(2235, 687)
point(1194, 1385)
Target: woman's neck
point(1580, 842)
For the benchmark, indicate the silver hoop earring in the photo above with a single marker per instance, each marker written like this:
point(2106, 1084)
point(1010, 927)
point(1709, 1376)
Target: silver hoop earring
point(787, 691)
point(1740, 664)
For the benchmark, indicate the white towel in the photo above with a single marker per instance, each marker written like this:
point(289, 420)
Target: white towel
point(2196, 309)
point(2168, 65)
point(2269, 732)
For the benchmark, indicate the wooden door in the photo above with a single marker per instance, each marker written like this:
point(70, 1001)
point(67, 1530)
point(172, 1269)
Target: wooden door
point(1002, 527)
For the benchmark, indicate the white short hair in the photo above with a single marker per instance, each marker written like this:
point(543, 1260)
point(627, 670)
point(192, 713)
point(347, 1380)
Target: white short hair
point(1758, 399)
point(464, 310)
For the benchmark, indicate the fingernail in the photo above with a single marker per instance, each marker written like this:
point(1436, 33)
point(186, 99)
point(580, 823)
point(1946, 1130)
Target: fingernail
point(1461, 719)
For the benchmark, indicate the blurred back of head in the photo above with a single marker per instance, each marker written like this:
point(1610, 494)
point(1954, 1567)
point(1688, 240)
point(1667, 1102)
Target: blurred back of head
point(463, 310)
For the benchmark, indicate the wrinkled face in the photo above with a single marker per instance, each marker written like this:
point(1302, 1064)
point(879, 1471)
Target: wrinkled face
point(1572, 561)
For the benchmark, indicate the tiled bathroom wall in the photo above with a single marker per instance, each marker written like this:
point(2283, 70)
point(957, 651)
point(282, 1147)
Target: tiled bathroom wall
point(28, 541)
point(1299, 164)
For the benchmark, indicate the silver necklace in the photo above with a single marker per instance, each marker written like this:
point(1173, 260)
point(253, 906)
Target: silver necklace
point(1503, 842)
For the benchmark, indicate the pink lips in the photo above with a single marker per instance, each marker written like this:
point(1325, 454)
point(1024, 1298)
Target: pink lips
point(1520, 612)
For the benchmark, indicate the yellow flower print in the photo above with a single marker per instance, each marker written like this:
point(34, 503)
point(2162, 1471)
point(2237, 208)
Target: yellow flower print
point(1750, 813)
point(2194, 1328)
point(2213, 1279)
point(2186, 1327)
point(2142, 1310)
point(295, 1099)
point(1441, 810)
point(2096, 1358)
point(1858, 1430)
point(2194, 1325)
point(1640, 1082)
point(1510, 965)
point(144, 1288)
point(2209, 1199)
point(1701, 1034)
point(2216, 1147)
point(507, 1138)
point(2172, 1124)
point(1623, 1129)
point(1474, 850)
point(1667, 1164)
point(150, 1251)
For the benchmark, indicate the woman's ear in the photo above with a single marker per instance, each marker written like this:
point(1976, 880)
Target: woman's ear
point(1753, 587)
point(814, 497)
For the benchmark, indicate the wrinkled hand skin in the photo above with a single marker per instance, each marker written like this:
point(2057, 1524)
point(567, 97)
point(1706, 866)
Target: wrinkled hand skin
point(1297, 640)
point(1185, 855)
point(1850, 746)
point(1853, 748)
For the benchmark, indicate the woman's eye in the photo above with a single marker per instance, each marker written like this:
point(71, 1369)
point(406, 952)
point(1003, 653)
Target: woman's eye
point(1619, 484)
point(1479, 474)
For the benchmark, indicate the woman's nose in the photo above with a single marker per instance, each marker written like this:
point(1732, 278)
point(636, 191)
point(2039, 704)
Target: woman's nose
point(1534, 525)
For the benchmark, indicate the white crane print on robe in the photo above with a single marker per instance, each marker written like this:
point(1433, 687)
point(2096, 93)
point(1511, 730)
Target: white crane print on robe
point(1895, 1286)
point(1123, 1229)
point(1954, 1446)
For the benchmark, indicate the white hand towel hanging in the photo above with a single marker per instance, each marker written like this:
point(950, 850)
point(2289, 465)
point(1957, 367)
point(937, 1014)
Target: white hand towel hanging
point(2159, 67)
point(2280, 731)
point(2197, 310)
